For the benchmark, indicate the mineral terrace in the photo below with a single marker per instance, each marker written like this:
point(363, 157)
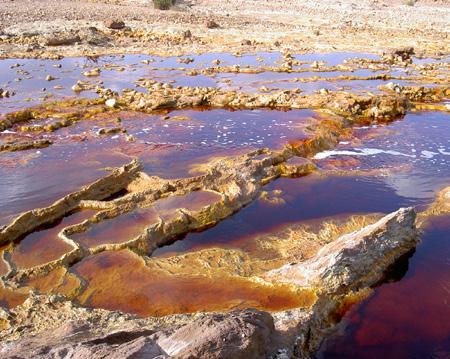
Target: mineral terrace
point(188, 127)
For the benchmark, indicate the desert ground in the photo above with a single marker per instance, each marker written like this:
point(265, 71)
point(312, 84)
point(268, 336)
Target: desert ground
point(299, 26)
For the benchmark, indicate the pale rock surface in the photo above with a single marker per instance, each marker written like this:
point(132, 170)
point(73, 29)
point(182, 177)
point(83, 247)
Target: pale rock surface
point(353, 259)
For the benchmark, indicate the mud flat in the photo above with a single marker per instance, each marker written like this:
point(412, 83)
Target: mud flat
point(154, 206)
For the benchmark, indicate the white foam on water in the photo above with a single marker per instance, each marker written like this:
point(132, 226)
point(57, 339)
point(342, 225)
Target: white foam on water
point(443, 152)
point(359, 152)
point(428, 154)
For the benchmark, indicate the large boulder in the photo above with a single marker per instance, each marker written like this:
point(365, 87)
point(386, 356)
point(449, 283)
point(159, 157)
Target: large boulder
point(357, 259)
point(235, 335)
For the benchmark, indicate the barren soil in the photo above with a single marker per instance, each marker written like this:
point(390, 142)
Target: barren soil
point(300, 26)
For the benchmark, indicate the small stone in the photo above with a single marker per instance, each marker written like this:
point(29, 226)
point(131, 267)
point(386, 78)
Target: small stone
point(115, 24)
point(62, 40)
point(211, 24)
point(93, 72)
point(186, 34)
point(109, 131)
point(77, 88)
point(185, 60)
point(50, 78)
point(111, 102)
point(246, 42)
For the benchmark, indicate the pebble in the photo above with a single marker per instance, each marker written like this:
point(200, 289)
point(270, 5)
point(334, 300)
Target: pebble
point(111, 102)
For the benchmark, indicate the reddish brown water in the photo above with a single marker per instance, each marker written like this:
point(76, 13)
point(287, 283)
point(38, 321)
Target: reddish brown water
point(408, 316)
point(44, 246)
point(171, 149)
point(3, 266)
point(120, 281)
point(306, 198)
point(10, 298)
point(133, 224)
point(405, 318)
point(119, 229)
point(413, 154)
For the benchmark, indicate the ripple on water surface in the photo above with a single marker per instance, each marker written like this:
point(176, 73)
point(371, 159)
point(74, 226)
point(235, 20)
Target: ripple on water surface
point(416, 150)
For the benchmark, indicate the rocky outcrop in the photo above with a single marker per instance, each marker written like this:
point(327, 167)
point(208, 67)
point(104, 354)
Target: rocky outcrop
point(62, 40)
point(238, 334)
point(355, 260)
point(24, 145)
point(352, 262)
point(340, 103)
point(441, 206)
point(98, 334)
point(399, 56)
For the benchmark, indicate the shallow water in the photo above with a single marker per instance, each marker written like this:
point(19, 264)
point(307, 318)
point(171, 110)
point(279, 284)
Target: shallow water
point(44, 246)
point(305, 199)
point(169, 148)
point(145, 291)
point(407, 317)
point(119, 72)
point(377, 170)
point(415, 149)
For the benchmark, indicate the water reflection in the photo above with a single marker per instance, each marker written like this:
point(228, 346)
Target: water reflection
point(407, 318)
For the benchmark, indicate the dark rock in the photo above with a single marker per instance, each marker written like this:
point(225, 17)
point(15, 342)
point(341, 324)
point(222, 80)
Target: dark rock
point(186, 34)
point(211, 24)
point(76, 340)
point(401, 55)
point(244, 334)
point(115, 24)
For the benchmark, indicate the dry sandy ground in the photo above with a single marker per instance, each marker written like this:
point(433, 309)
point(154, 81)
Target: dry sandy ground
point(295, 25)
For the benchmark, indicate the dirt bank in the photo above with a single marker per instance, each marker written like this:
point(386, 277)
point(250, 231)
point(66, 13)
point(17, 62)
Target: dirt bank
point(28, 28)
